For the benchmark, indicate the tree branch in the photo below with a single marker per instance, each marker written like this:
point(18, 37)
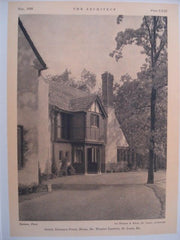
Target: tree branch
point(148, 106)
point(149, 32)
point(161, 46)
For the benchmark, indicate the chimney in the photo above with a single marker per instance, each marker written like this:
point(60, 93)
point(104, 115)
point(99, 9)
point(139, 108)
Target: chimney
point(107, 89)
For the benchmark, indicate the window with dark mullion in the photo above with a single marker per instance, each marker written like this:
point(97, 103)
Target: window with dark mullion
point(58, 125)
point(65, 126)
point(94, 119)
point(62, 126)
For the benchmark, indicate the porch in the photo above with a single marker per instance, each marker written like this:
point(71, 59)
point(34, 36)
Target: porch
point(88, 158)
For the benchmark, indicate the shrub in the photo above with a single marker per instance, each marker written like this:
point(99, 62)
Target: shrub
point(26, 189)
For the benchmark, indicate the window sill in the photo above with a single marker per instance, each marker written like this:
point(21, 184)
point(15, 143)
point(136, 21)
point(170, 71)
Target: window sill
point(62, 140)
point(92, 126)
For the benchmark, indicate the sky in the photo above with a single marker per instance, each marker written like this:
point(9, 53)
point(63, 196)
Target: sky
point(76, 42)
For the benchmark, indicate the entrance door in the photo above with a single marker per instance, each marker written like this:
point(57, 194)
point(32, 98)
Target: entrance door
point(92, 160)
point(78, 159)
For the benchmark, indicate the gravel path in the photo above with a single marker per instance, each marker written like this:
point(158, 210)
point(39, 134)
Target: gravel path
point(110, 199)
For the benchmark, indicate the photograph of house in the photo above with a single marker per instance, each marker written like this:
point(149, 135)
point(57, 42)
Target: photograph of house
point(70, 134)
point(62, 122)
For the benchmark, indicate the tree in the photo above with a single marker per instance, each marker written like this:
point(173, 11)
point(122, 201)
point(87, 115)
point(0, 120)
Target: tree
point(152, 36)
point(87, 82)
point(132, 110)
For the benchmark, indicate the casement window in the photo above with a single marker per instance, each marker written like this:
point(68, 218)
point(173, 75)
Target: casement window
point(122, 155)
point(60, 155)
point(78, 154)
point(118, 155)
point(67, 155)
point(78, 158)
point(94, 120)
point(65, 126)
point(95, 155)
point(20, 146)
point(62, 126)
point(58, 126)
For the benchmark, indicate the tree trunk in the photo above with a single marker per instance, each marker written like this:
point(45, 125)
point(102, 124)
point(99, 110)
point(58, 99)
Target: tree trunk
point(151, 148)
point(155, 163)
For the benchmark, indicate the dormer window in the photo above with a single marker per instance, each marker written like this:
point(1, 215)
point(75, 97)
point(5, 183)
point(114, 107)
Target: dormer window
point(94, 120)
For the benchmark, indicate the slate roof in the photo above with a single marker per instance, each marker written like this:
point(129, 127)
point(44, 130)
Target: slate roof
point(63, 96)
point(60, 95)
point(71, 99)
point(82, 103)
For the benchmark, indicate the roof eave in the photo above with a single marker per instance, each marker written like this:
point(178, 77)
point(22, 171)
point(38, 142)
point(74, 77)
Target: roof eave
point(102, 107)
point(32, 45)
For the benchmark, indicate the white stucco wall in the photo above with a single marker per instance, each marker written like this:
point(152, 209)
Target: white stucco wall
point(64, 147)
point(115, 137)
point(44, 130)
point(29, 174)
point(27, 107)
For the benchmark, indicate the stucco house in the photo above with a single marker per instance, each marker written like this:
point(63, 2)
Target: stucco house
point(57, 121)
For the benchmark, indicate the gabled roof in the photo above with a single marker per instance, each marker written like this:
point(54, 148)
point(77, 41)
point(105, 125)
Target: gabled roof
point(32, 44)
point(84, 103)
point(60, 95)
point(71, 99)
